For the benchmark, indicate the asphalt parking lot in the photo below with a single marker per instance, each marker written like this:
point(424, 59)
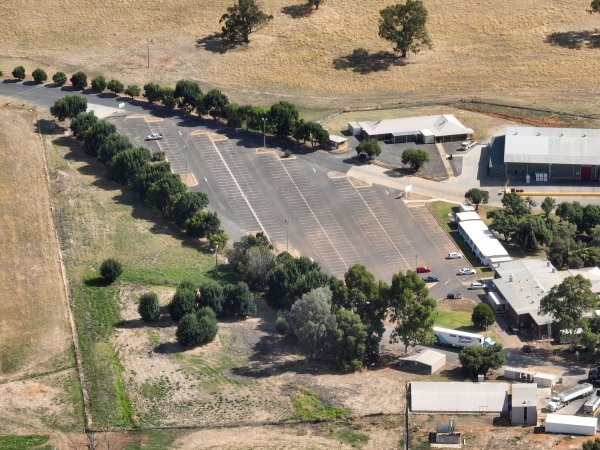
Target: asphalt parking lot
point(302, 206)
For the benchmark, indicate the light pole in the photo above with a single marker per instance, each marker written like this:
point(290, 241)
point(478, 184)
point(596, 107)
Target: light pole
point(287, 235)
point(416, 261)
point(185, 150)
point(264, 119)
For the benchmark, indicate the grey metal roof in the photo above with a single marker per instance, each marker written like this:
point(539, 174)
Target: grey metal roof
point(467, 215)
point(524, 394)
point(427, 357)
point(552, 145)
point(531, 281)
point(337, 138)
point(458, 397)
point(592, 274)
point(438, 125)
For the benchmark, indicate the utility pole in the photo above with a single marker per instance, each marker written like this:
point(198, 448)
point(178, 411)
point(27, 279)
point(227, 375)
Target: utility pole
point(148, 40)
point(216, 260)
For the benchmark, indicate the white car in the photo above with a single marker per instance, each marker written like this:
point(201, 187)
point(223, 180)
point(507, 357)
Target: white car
point(453, 255)
point(154, 137)
point(477, 285)
point(466, 271)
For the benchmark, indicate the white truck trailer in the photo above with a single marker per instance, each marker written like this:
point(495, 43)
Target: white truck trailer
point(558, 423)
point(592, 404)
point(460, 339)
point(564, 397)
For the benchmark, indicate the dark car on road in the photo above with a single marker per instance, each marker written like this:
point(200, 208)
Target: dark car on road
point(454, 296)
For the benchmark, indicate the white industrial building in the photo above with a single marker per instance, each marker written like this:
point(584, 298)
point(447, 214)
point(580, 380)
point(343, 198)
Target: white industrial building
point(522, 284)
point(422, 129)
point(592, 274)
point(425, 362)
point(540, 379)
point(467, 215)
point(459, 397)
point(483, 242)
point(559, 423)
point(523, 404)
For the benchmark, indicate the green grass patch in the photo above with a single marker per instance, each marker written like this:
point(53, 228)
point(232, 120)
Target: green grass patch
point(96, 311)
point(157, 390)
point(156, 440)
point(348, 434)
point(452, 319)
point(213, 372)
point(307, 406)
point(22, 442)
point(153, 338)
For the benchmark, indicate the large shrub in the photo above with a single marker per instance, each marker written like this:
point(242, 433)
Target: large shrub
point(79, 80)
point(19, 72)
point(111, 269)
point(211, 295)
point(148, 307)
point(39, 75)
point(183, 302)
point(59, 78)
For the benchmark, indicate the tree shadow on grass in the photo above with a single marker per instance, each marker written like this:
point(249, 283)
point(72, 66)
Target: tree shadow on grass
point(297, 11)
point(97, 282)
point(575, 39)
point(49, 127)
point(361, 61)
point(215, 43)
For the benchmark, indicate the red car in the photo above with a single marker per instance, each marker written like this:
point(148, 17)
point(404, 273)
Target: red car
point(423, 269)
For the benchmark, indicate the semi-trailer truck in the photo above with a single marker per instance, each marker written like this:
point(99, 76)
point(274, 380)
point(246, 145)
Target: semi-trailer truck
point(562, 399)
point(460, 339)
point(593, 403)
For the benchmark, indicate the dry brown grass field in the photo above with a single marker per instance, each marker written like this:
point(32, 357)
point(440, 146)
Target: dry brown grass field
point(523, 51)
point(34, 331)
point(38, 383)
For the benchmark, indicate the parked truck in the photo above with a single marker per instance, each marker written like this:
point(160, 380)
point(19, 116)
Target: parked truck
point(594, 375)
point(562, 399)
point(593, 403)
point(460, 339)
point(466, 145)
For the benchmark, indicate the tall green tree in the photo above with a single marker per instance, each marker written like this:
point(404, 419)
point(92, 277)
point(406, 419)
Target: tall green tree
point(405, 26)
point(147, 175)
point(96, 135)
point(164, 192)
point(564, 251)
point(515, 205)
point(59, 78)
point(19, 73)
point(571, 212)
point(593, 444)
point(99, 84)
point(312, 320)
point(133, 90)
point(215, 103)
point(479, 360)
point(411, 310)
point(283, 116)
point(415, 158)
point(482, 316)
point(81, 123)
point(202, 224)
point(349, 338)
point(505, 224)
point(242, 19)
point(364, 297)
point(113, 143)
point(115, 86)
point(477, 196)
point(238, 300)
point(532, 232)
point(188, 204)
point(125, 166)
point(568, 302)
point(152, 92)
point(79, 80)
point(39, 75)
point(186, 93)
point(548, 206)
point(68, 107)
point(369, 147)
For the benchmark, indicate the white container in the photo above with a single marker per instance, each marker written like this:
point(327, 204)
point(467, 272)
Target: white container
point(558, 423)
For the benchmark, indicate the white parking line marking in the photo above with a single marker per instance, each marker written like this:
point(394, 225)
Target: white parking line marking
point(205, 180)
point(314, 170)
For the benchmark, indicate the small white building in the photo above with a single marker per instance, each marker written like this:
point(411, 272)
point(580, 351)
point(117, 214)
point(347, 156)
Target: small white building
point(425, 362)
point(541, 379)
point(482, 241)
point(421, 129)
point(466, 208)
point(467, 215)
point(336, 141)
point(559, 423)
point(524, 404)
point(459, 397)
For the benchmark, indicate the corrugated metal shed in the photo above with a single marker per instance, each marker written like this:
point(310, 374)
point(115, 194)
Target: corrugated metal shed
point(552, 145)
point(459, 397)
point(419, 360)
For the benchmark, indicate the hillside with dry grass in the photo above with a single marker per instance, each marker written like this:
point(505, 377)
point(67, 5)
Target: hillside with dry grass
point(518, 50)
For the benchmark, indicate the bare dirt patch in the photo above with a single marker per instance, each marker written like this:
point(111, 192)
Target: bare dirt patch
point(34, 331)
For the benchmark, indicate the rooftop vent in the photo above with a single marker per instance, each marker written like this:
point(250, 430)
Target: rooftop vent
point(515, 133)
point(547, 263)
point(561, 134)
point(510, 277)
point(538, 134)
point(584, 135)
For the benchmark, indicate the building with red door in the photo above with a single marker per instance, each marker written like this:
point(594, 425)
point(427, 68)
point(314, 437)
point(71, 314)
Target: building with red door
point(535, 154)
